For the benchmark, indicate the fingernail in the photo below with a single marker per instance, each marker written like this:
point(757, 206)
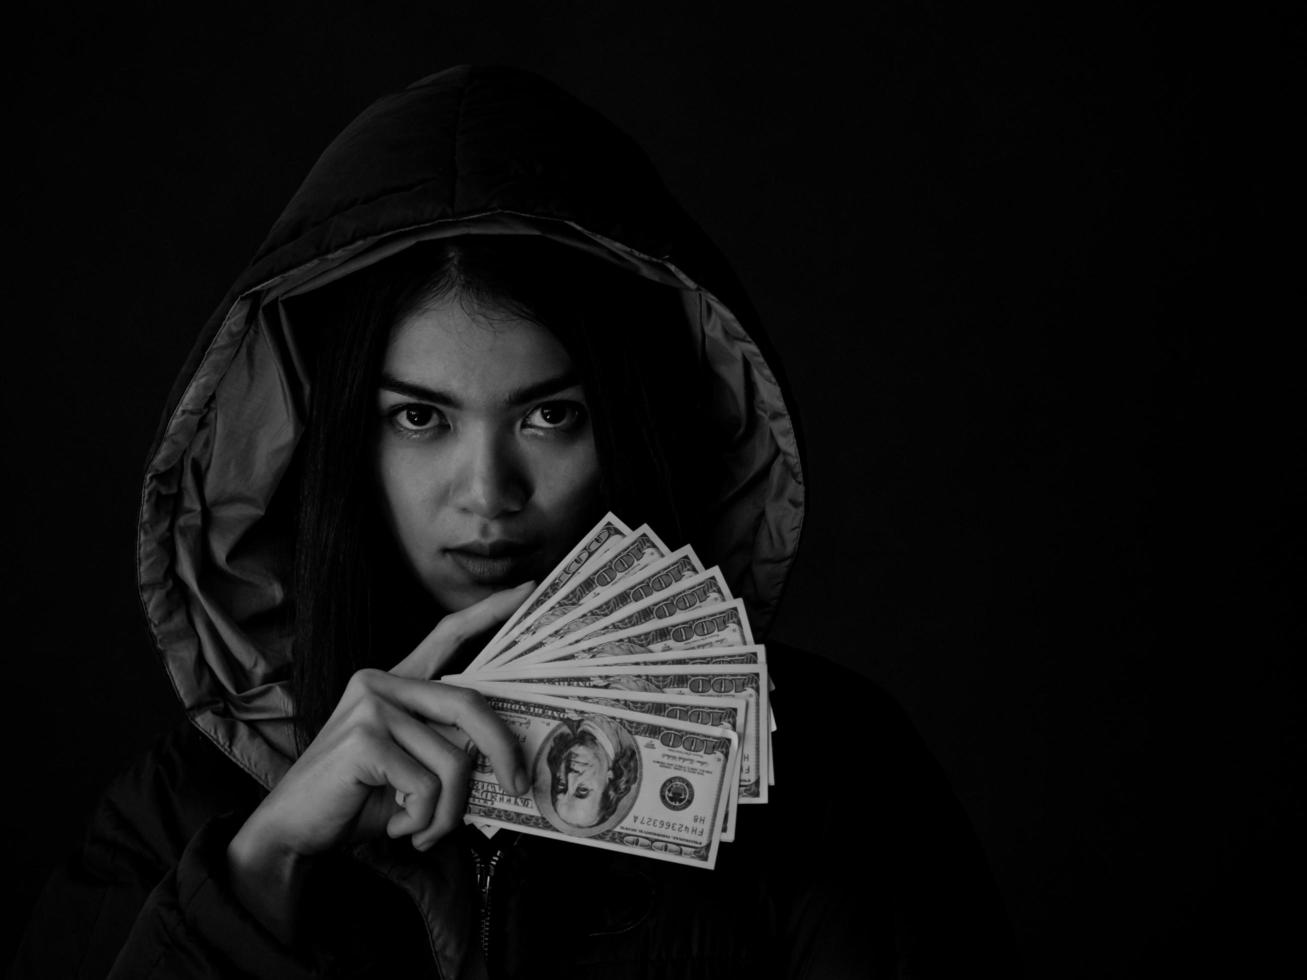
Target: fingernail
point(522, 782)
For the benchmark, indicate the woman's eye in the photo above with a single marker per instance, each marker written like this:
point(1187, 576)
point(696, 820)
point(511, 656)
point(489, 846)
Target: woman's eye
point(555, 415)
point(417, 418)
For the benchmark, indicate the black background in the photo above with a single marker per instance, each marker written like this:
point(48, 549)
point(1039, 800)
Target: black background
point(1045, 414)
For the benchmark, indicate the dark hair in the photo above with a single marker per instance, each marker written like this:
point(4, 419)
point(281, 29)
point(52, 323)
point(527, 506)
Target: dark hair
point(355, 602)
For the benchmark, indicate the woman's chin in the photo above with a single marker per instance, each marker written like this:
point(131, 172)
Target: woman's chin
point(454, 597)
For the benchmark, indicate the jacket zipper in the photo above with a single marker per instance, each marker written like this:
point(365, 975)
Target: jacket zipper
point(485, 868)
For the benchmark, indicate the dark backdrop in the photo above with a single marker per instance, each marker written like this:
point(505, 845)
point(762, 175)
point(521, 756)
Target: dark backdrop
point(1046, 461)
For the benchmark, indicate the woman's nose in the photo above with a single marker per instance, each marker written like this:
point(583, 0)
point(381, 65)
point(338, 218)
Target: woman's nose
point(492, 480)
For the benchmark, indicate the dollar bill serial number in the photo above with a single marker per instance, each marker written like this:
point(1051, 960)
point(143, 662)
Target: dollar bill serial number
point(696, 829)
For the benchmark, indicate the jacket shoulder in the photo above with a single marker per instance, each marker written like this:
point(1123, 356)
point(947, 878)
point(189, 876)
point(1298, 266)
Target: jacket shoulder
point(135, 836)
point(149, 813)
point(888, 874)
point(809, 686)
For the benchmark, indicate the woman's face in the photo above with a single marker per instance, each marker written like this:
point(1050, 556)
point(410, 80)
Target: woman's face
point(485, 451)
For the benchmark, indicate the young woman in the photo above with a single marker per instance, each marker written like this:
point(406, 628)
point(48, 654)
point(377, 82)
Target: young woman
point(479, 324)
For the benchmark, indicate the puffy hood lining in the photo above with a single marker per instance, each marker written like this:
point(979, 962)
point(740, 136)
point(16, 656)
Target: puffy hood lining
point(212, 536)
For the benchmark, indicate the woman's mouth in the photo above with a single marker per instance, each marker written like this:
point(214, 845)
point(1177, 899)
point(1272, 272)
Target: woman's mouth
point(491, 563)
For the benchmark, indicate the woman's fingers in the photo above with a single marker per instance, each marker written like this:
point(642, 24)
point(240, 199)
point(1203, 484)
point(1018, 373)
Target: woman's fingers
point(452, 767)
point(387, 726)
point(438, 807)
point(459, 707)
point(467, 711)
point(440, 645)
point(383, 761)
point(380, 749)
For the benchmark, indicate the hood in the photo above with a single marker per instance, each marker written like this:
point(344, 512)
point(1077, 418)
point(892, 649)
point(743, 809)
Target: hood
point(469, 150)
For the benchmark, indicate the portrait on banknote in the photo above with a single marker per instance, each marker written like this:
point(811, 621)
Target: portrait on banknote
point(587, 775)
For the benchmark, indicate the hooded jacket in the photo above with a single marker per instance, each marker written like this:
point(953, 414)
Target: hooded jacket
point(866, 867)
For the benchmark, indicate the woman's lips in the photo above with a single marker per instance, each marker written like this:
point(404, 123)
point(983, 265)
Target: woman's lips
point(491, 564)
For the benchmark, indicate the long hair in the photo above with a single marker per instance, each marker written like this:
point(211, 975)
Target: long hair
point(356, 603)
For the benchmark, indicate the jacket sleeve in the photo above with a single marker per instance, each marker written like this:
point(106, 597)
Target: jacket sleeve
point(192, 925)
point(145, 895)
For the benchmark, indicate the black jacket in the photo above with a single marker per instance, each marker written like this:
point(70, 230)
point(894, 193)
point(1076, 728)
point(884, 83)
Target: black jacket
point(862, 866)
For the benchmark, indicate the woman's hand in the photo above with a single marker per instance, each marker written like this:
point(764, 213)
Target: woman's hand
point(392, 758)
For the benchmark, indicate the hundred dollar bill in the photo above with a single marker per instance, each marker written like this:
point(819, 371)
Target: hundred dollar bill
point(726, 656)
point(722, 656)
point(633, 694)
point(697, 592)
point(636, 552)
point(600, 538)
point(756, 654)
point(630, 593)
point(716, 626)
point(607, 777)
point(728, 682)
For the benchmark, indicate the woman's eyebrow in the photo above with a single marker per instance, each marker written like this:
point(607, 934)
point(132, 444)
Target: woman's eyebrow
point(539, 389)
point(518, 396)
point(389, 383)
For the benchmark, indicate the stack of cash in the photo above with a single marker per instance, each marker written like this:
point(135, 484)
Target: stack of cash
point(631, 678)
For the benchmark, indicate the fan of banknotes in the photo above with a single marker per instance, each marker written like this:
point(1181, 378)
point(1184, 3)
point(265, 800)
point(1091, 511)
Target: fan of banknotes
point(631, 678)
